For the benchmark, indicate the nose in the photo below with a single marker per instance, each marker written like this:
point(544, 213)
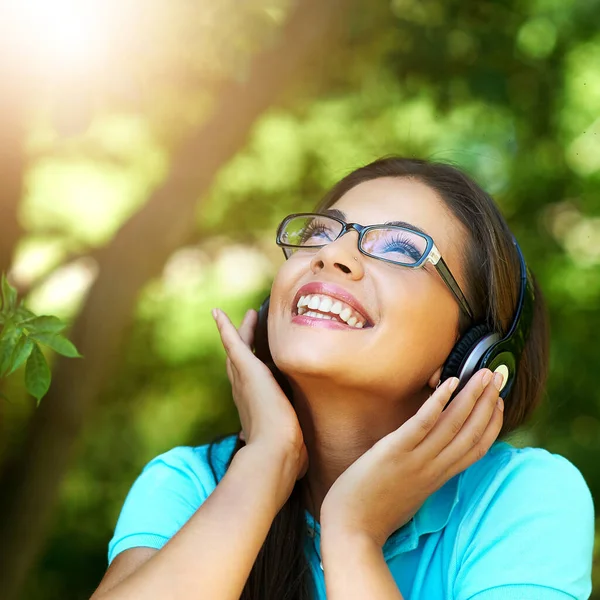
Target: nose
point(339, 255)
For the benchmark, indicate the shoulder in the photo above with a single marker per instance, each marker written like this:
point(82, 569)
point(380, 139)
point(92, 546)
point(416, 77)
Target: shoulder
point(524, 472)
point(525, 518)
point(202, 466)
point(167, 492)
point(529, 490)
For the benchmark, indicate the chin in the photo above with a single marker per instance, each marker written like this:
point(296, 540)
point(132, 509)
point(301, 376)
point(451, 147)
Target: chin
point(309, 361)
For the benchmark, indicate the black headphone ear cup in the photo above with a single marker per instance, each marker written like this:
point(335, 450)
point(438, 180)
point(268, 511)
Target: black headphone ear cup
point(261, 336)
point(461, 349)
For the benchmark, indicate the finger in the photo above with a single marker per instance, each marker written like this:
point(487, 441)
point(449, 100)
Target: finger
point(230, 369)
point(454, 417)
point(480, 449)
point(248, 327)
point(474, 428)
point(416, 429)
point(242, 331)
point(234, 346)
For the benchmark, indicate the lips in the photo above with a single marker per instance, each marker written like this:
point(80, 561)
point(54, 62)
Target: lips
point(334, 291)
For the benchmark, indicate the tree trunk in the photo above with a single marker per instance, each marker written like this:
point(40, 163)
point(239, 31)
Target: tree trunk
point(12, 165)
point(13, 83)
point(12, 160)
point(138, 253)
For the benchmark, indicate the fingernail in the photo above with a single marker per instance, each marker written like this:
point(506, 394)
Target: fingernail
point(498, 381)
point(500, 404)
point(453, 383)
point(486, 378)
point(214, 313)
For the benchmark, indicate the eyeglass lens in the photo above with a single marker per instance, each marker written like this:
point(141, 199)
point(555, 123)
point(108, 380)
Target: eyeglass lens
point(389, 243)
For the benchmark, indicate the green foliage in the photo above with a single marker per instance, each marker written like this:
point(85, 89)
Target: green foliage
point(21, 333)
point(507, 90)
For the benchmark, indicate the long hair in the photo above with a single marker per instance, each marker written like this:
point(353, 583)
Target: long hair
point(491, 267)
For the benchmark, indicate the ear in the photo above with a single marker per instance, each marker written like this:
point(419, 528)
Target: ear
point(434, 379)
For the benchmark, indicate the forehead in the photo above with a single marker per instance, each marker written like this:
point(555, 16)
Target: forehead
point(403, 199)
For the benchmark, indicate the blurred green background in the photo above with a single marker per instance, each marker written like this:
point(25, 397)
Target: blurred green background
point(148, 151)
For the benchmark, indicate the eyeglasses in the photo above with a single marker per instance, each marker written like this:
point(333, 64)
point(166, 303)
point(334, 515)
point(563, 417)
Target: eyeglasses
point(394, 244)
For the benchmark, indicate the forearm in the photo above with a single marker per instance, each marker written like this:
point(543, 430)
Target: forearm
point(355, 569)
point(212, 555)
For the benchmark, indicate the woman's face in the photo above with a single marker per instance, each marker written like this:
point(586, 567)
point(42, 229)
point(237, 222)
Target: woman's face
point(414, 315)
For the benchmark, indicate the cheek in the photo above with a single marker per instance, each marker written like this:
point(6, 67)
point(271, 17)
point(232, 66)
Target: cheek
point(280, 306)
point(425, 338)
point(284, 284)
point(415, 338)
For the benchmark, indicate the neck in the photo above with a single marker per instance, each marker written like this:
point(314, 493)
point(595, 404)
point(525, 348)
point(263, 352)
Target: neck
point(339, 426)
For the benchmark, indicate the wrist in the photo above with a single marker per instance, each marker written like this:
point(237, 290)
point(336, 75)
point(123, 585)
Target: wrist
point(272, 470)
point(334, 533)
point(341, 541)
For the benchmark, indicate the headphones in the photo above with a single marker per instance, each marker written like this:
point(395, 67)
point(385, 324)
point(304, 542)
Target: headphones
point(481, 348)
point(478, 348)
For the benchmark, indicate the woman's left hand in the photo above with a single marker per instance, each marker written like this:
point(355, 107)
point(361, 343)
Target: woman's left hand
point(386, 486)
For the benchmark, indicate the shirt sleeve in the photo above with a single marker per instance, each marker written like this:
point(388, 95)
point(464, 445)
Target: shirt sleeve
point(534, 539)
point(166, 494)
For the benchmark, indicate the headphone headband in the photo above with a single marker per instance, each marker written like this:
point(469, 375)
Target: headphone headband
point(521, 325)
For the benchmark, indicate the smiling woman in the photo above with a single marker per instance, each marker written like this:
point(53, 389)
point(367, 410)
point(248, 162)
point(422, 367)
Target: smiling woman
point(354, 476)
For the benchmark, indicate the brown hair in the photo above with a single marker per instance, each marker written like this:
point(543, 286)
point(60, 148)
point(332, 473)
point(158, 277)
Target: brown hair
point(491, 272)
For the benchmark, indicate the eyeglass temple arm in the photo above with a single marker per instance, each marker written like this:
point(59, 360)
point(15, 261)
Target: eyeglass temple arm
point(444, 271)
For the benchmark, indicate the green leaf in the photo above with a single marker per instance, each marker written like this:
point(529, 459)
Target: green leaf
point(58, 343)
point(37, 374)
point(8, 342)
point(44, 324)
point(24, 313)
point(21, 353)
point(9, 296)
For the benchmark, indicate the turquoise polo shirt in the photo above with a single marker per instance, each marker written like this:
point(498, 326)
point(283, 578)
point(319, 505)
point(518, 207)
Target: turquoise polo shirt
point(516, 525)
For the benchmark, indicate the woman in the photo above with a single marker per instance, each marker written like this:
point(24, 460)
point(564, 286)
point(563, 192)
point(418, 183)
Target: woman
point(354, 475)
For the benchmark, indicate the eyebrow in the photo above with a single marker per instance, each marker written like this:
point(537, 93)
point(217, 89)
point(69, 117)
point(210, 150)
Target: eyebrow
point(334, 212)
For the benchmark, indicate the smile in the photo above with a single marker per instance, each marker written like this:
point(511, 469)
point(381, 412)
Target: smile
point(323, 307)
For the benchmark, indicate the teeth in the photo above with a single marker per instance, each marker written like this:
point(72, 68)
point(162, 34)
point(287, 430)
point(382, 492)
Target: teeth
point(336, 309)
point(325, 304)
point(316, 315)
point(314, 302)
point(307, 305)
point(345, 314)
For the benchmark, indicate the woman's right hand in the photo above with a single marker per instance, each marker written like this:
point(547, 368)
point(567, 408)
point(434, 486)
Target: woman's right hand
point(268, 419)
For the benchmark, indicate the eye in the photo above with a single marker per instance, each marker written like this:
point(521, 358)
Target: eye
point(316, 232)
point(402, 244)
point(395, 244)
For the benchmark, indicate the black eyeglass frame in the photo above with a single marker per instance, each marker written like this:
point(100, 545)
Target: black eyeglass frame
point(431, 254)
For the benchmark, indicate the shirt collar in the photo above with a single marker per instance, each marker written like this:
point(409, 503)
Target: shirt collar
point(433, 516)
